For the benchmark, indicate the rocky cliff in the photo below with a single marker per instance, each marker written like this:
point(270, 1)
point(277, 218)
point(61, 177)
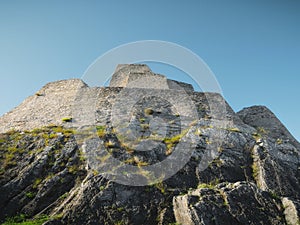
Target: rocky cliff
point(56, 147)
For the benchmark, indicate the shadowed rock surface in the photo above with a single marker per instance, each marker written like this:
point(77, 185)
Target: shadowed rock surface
point(262, 117)
point(244, 168)
point(233, 203)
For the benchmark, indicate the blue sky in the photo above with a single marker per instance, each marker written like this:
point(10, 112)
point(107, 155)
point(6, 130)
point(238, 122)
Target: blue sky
point(251, 46)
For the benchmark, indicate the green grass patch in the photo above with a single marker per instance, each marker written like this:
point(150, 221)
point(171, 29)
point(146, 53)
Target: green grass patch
point(274, 195)
point(234, 129)
point(73, 169)
point(142, 120)
point(30, 194)
point(210, 185)
point(148, 111)
point(110, 144)
point(37, 182)
point(58, 129)
point(119, 223)
point(64, 196)
point(171, 142)
point(52, 135)
point(67, 119)
point(279, 141)
point(160, 186)
point(22, 220)
point(101, 131)
point(261, 130)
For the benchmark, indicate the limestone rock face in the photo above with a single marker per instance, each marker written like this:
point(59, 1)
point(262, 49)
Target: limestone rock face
point(233, 203)
point(243, 168)
point(262, 117)
point(291, 210)
point(276, 167)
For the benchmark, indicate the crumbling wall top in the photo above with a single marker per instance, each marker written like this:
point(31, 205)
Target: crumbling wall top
point(141, 76)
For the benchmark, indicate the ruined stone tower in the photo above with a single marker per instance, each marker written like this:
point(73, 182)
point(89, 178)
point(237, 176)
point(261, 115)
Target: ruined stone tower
point(141, 76)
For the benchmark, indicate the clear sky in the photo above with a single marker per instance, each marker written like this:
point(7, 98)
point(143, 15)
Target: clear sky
point(251, 46)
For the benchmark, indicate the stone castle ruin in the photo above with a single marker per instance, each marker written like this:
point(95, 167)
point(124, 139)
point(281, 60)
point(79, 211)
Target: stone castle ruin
point(243, 172)
point(57, 100)
point(141, 76)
